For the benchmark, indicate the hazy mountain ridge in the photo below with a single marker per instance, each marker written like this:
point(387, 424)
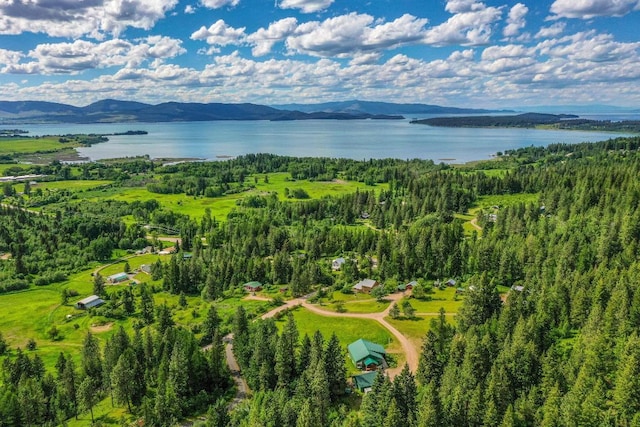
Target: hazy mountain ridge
point(110, 111)
point(373, 107)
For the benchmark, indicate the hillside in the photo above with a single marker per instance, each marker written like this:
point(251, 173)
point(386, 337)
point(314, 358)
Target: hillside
point(369, 107)
point(114, 111)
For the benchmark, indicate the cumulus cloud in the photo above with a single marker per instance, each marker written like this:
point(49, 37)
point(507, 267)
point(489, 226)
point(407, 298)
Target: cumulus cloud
point(220, 34)
point(217, 4)
point(264, 39)
point(73, 58)
point(516, 20)
point(352, 34)
point(189, 9)
point(588, 9)
point(553, 30)
point(306, 6)
point(73, 19)
point(470, 25)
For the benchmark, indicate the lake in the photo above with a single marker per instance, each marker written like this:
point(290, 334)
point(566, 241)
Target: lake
point(354, 139)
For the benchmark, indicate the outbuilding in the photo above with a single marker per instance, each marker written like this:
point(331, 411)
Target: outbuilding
point(89, 302)
point(117, 278)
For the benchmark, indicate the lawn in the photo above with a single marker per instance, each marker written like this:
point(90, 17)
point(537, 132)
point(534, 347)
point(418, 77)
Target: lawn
point(415, 329)
point(353, 303)
point(32, 145)
point(348, 330)
point(445, 299)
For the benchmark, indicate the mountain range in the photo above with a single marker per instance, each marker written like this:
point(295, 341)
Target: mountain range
point(114, 111)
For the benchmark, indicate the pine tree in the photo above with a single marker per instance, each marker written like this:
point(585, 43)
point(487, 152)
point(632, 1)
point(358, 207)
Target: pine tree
point(98, 285)
point(88, 395)
point(146, 304)
point(91, 360)
point(335, 367)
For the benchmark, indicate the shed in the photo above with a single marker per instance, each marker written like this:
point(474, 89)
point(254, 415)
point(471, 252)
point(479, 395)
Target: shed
point(252, 286)
point(365, 286)
point(451, 282)
point(364, 382)
point(407, 286)
point(336, 264)
point(117, 278)
point(367, 355)
point(89, 302)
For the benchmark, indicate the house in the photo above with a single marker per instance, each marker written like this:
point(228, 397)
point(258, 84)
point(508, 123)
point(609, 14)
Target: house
point(117, 278)
point(89, 302)
point(364, 382)
point(367, 355)
point(517, 288)
point(336, 264)
point(407, 286)
point(450, 282)
point(252, 286)
point(365, 286)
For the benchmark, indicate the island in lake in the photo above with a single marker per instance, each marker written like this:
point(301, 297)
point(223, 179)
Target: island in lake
point(534, 120)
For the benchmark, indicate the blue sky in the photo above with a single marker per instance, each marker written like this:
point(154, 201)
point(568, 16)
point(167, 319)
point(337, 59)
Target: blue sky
point(488, 53)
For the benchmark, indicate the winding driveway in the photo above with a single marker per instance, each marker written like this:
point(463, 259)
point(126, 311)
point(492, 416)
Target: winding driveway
point(410, 352)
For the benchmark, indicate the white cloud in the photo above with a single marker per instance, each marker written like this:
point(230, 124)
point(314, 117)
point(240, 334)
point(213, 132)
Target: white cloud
point(189, 9)
point(73, 19)
point(81, 55)
point(217, 4)
point(553, 30)
point(306, 6)
point(264, 39)
point(471, 25)
point(516, 20)
point(220, 34)
point(588, 9)
point(352, 34)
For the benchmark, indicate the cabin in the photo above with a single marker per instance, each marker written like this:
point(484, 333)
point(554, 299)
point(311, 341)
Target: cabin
point(407, 286)
point(89, 302)
point(365, 286)
point(366, 355)
point(336, 264)
point(450, 282)
point(252, 286)
point(364, 382)
point(118, 278)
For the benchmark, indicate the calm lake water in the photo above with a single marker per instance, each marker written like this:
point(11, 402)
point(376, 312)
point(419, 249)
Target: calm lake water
point(355, 139)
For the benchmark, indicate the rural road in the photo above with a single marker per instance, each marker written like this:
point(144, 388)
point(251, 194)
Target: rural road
point(242, 389)
point(408, 349)
point(474, 224)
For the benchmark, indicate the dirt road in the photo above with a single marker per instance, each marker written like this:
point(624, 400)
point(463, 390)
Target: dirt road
point(410, 352)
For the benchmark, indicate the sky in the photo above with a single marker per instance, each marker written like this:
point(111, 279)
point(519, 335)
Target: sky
point(464, 53)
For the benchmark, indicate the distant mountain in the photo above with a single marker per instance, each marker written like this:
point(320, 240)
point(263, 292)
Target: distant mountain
point(369, 107)
point(114, 111)
point(578, 109)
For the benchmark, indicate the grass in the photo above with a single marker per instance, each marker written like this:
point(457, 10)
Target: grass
point(71, 185)
point(415, 329)
point(10, 146)
point(505, 199)
point(445, 299)
point(347, 330)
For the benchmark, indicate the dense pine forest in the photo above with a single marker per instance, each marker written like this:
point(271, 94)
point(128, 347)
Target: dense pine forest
point(547, 333)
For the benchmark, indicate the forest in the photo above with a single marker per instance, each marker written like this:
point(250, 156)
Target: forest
point(542, 242)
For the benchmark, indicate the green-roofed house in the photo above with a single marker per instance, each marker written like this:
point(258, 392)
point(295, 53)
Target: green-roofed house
point(367, 355)
point(252, 286)
point(364, 382)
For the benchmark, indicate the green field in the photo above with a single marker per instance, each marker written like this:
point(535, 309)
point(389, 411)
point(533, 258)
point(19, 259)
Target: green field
point(347, 330)
point(445, 299)
point(71, 185)
point(415, 329)
point(10, 146)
